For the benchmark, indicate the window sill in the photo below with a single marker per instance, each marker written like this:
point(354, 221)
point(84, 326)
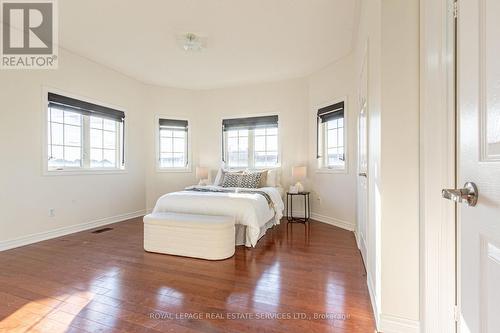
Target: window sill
point(331, 170)
point(274, 167)
point(77, 172)
point(174, 170)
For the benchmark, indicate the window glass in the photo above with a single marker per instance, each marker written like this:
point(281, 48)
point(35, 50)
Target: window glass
point(64, 139)
point(334, 143)
point(266, 147)
point(103, 143)
point(251, 148)
point(237, 148)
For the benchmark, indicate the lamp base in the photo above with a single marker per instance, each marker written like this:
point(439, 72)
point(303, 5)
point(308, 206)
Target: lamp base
point(300, 187)
point(203, 182)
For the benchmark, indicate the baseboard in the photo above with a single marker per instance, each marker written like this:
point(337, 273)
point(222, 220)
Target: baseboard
point(328, 220)
point(360, 242)
point(333, 221)
point(388, 323)
point(38, 237)
point(393, 324)
point(356, 237)
point(373, 300)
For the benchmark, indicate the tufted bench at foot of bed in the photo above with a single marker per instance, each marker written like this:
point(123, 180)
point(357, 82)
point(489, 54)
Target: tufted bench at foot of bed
point(190, 235)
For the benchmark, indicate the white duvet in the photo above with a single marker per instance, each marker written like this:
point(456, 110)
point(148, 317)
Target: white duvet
point(251, 210)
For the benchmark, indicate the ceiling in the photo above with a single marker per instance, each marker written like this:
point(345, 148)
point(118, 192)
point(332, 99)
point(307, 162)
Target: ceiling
point(248, 41)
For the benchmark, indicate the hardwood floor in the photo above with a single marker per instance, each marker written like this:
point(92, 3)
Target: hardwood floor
point(105, 282)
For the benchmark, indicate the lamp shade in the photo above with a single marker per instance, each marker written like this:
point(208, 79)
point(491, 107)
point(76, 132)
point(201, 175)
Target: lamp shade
point(201, 173)
point(299, 172)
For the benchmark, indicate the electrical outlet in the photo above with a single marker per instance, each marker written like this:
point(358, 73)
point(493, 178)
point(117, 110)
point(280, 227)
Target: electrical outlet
point(52, 212)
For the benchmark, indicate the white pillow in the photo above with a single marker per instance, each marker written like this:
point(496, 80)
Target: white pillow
point(218, 178)
point(272, 178)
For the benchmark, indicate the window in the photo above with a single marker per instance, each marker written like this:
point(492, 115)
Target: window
point(331, 137)
point(83, 136)
point(250, 142)
point(173, 144)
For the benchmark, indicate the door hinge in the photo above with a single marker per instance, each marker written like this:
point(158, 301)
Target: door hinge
point(455, 9)
point(456, 313)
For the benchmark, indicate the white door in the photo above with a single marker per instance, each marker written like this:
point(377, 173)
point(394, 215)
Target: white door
point(363, 161)
point(478, 105)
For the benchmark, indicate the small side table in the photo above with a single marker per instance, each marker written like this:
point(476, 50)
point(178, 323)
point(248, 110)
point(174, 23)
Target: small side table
point(289, 208)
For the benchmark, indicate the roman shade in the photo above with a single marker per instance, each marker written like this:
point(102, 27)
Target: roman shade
point(174, 124)
point(331, 112)
point(327, 113)
point(249, 123)
point(84, 108)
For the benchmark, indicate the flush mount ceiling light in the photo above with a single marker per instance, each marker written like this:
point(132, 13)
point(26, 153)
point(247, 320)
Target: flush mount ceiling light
point(192, 42)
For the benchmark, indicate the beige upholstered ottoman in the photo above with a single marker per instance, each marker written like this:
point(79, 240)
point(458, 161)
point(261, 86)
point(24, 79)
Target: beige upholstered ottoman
point(190, 235)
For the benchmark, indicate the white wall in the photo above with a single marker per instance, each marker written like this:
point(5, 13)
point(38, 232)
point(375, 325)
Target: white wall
point(175, 103)
point(369, 45)
point(26, 195)
point(390, 30)
point(334, 194)
point(400, 158)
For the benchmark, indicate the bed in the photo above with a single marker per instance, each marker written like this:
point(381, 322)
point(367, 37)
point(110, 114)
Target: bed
point(254, 210)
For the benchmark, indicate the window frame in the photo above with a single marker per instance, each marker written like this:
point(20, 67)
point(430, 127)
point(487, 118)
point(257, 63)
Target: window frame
point(188, 167)
point(321, 139)
point(251, 142)
point(85, 141)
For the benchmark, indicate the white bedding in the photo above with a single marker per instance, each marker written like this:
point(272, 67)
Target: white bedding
point(251, 210)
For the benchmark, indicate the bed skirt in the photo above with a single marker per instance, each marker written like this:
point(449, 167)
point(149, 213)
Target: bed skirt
point(241, 234)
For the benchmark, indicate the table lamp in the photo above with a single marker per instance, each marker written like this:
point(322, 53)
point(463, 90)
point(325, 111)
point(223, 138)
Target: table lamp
point(299, 173)
point(202, 175)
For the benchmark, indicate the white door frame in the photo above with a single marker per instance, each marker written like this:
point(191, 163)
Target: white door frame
point(437, 166)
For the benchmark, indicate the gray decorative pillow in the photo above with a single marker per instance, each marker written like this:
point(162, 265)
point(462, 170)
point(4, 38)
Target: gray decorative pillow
point(250, 180)
point(231, 179)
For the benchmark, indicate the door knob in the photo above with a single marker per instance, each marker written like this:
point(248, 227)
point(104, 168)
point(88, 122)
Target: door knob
point(468, 194)
point(362, 174)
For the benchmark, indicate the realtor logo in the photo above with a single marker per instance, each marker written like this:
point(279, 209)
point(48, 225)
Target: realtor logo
point(29, 34)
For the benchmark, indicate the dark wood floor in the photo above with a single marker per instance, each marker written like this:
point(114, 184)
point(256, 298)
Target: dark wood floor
point(105, 282)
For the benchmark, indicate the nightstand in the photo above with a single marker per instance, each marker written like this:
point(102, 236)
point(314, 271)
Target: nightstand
point(289, 207)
